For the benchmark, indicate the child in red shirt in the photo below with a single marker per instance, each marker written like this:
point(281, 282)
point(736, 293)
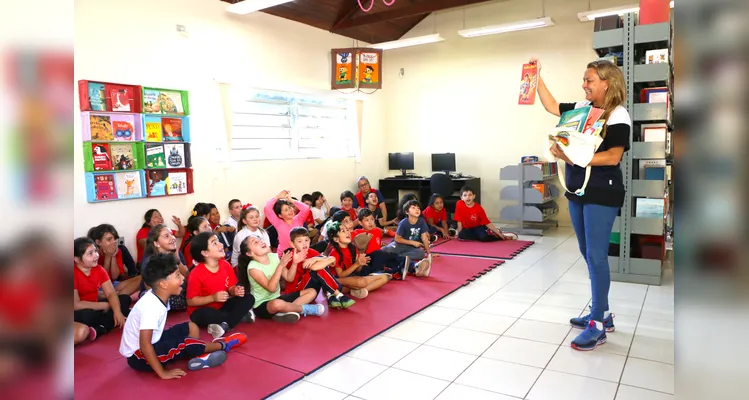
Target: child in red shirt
point(195, 225)
point(214, 299)
point(116, 259)
point(436, 216)
point(347, 204)
point(309, 223)
point(473, 223)
point(351, 267)
point(309, 269)
point(369, 241)
point(152, 218)
point(88, 277)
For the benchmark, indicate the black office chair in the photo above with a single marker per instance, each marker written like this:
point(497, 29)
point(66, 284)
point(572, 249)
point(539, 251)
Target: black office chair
point(443, 185)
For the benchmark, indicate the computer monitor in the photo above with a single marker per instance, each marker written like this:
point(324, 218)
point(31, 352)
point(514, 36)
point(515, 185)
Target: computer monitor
point(401, 162)
point(443, 162)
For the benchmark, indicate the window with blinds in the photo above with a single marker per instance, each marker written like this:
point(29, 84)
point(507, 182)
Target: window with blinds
point(269, 124)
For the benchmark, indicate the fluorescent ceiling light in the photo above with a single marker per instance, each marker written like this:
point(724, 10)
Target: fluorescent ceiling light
point(250, 6)
point(592, 15)
point(414, 41)
point(511, 27)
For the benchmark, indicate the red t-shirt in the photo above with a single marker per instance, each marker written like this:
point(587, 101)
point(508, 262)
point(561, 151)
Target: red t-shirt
point(296, 284)
point(436, 216)
point(470, 217)
point(342, 259)
point(375, 243)
point(88, 286)
point(361, 201)
point(352, 213)
point(309, 221)
point(188, 257)
point(203, 282)
point(142, 234)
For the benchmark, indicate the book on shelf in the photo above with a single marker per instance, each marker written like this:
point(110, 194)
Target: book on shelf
point(104, 187)
point(96, 95)
point(101, 158)
point(108, 126)
point(120, 97)
point(128, 185)
point(122, 156)
point(157, 101)
point(153, 131)
point(528, 159)
point(177, 183)
point(659, 56)
point(172, 129)
point(175, 155)
point(155, 157)
point(546, 168)
point(157, 182)
point(543, 189)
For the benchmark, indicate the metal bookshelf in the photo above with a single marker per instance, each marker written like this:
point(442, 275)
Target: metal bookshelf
point(633, 39)
point(532, 213)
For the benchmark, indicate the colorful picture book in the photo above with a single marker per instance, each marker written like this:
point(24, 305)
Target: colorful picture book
point(157, 182)
point(157, 101)
point(101, 158)
point(110, 127)
point(585, 119)
point(105, 96)
point(177, 183)
point(155, 157)
point(528, 82)
point(104, 185)
point(122, 156)
point(175, 155)
point(167, 129)
point(96, 96)
point(129, 185)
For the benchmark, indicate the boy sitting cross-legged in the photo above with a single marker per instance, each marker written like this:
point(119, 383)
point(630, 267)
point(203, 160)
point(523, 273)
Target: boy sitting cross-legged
point(473, 223)
point(309, 270)
point(145, 343)
point(412, 238)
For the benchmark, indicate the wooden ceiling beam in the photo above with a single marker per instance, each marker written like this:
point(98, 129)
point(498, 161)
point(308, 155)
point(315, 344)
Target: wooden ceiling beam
point(424, 7)
point(345, 14)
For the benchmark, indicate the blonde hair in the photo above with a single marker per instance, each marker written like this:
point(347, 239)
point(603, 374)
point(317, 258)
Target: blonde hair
point(616, 94)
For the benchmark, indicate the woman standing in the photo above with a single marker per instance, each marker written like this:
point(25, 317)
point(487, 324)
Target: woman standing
point(593, 212)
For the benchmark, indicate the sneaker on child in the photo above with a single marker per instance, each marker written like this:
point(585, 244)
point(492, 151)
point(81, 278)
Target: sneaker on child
point(288, 318)
point(218, 330)
point(207, 360)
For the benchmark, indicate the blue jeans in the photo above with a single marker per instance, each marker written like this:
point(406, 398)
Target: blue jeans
point(593, 224)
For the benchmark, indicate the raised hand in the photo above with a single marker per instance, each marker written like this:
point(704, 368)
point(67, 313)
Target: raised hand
point(535, 61)
point(176, 220)
point(285, 258)
point(299, 256)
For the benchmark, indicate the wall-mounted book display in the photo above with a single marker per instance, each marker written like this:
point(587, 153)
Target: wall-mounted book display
point(168, 182)
point(136, 141)
point(108, 186)
point(107, 96)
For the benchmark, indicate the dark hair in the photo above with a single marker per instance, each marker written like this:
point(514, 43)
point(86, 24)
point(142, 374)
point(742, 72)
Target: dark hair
point(405, 199)
point(80, 245)
point(298, 231)
point(333, 210)
point(212, 206)
point(434, 198)
point(232, 201)
point(364, 213)
point(347, 194)
point(193, 224)
point(332, 233)
point(315, 196)
point(307, 197)
point(243, 262)
point(198, 244)
point(410, 204)
point(467, 189)
point(153, 235)
point(159, 267)
point(98, 232)
point(202, 209)
point(243, 215)
point(279, 206)
point(339, 216)
point(147, 217)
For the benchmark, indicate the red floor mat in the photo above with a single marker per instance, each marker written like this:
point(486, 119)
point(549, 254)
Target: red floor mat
point(505, 249)
point(240, 377)
point(315, 341)
point(458, 269)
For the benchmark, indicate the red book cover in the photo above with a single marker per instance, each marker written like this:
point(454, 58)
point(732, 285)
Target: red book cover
point(528, 80)
point(102, 160)
point(105, 189)
point(172, 128)
point(120, 98)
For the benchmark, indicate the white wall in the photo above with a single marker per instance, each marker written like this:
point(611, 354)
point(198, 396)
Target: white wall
point(135, 41)
point(460, 95)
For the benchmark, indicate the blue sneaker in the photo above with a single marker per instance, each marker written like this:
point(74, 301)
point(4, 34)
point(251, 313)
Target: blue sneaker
point(313, 310)
point(582, 322)
point(590, 338)
point(207, 360)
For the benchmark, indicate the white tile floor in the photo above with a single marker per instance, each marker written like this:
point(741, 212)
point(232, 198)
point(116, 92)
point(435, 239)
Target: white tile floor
point(506, 336)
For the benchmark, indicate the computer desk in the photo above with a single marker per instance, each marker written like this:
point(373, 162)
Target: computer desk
point(389, 188)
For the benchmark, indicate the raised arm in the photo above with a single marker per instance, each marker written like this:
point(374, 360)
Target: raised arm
point(550, 104)
point(269, 213)
point(303, 212)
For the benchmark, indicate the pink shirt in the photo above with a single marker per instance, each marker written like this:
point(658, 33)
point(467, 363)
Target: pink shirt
point(284, 229)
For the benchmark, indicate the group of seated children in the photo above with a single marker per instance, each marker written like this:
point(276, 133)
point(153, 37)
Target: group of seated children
point(227, 274)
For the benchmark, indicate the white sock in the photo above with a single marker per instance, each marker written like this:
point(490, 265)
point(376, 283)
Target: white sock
point(606, 314)
point(599, 325)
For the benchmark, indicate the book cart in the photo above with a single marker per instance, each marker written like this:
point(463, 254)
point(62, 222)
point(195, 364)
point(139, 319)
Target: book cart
point(535, 196)
point(136, 141)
